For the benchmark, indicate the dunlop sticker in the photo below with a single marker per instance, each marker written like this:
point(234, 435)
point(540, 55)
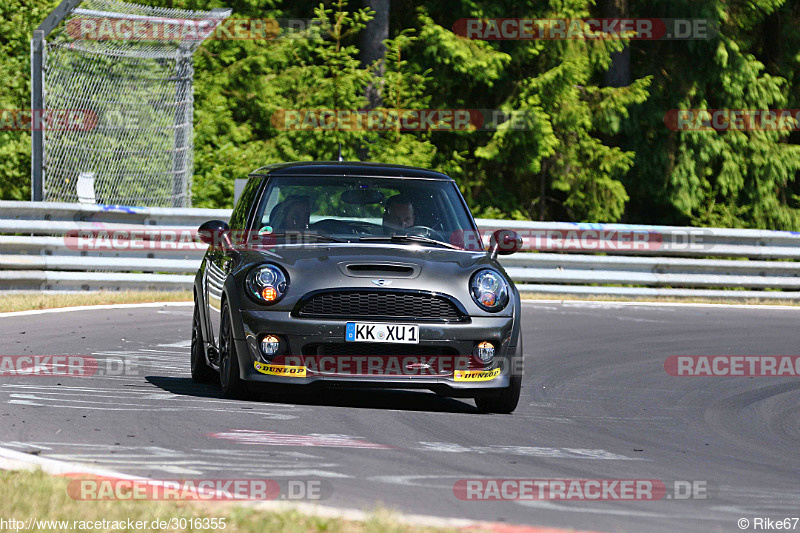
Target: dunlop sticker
point(476, 375)
point(281, 370)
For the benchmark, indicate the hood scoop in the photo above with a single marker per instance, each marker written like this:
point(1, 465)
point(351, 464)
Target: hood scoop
point(379, 269)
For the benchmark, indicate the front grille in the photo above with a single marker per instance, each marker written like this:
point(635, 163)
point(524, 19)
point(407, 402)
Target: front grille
point(381, 305)
point(377, 348)
point(363, 358)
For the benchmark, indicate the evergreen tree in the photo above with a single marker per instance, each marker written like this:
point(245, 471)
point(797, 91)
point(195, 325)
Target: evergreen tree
point(583, 142)
point(18, 19)
point(717, 178)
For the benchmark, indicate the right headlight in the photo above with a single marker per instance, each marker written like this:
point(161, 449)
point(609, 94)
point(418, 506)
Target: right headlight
point(489, 290)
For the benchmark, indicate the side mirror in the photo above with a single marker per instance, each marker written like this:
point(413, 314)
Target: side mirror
point(215, 233)
point(504, 242)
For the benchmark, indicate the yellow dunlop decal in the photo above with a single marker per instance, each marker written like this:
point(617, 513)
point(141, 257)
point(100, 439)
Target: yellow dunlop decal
point(476, 375)
point(280, 370)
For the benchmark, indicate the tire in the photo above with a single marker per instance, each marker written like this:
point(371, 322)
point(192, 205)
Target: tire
point(506, 402)
point(508, 399)
point(201, 372)
point(232, 384)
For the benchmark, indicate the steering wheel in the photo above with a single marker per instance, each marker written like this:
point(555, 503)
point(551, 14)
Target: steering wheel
point(424, 231)
point(330, 225)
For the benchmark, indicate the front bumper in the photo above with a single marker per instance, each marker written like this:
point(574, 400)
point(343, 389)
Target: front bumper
point(455, 371)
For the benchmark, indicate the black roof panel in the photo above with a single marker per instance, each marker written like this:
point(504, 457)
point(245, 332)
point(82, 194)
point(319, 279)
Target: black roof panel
point(348, 168)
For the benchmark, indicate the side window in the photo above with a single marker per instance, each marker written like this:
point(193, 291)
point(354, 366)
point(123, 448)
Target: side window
point(242, 207)
point(266, 203)
point(272, 200)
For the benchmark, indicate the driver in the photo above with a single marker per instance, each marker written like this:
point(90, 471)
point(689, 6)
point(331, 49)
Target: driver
point(292, 214)
point(398, 215)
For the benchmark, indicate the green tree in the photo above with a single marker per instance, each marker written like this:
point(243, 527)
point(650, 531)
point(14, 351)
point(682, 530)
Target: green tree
point(18, 19)
point(240, 113)
point(552, 159)
point(578, 146)
point(717, 178)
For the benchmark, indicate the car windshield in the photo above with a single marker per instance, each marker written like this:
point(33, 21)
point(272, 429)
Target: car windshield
point(366, 209)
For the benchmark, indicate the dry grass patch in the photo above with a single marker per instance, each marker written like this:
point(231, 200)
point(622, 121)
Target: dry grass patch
point(45, 300)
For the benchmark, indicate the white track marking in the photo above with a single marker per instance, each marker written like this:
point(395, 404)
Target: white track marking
point(551, 506)
point(271, 438)
point(179, 344)
point(94, 308)
point(612, 304)
point(529, 451)
point(196, 462)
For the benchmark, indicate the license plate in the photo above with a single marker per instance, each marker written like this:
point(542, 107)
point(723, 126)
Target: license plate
point(368, 332)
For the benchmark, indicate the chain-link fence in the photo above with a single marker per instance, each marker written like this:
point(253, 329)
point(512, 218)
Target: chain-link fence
point(126, 70)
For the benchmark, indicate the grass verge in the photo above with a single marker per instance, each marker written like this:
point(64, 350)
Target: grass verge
point(26, 495)
point(44, 300)
point(655, 299)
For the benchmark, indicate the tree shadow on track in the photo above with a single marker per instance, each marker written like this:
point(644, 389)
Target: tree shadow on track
point(405, 400)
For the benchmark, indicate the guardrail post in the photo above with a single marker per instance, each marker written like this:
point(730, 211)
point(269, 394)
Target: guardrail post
point(37, 116)
point(37, 93)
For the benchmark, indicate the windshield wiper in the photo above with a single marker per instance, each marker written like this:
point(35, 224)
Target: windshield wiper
point(300, 236)
point(401, 237)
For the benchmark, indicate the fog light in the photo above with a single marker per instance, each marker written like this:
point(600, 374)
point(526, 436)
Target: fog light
point(486, 351)
point(270, 345)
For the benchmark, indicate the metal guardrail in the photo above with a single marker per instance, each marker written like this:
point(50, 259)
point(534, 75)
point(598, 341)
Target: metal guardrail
point(669, 260)
point(148, 216)
point(34, 253)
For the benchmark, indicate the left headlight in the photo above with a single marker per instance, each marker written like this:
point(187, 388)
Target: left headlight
point(489, 290)
point(267, 284)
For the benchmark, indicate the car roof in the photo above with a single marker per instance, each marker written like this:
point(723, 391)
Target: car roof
point(348, 168)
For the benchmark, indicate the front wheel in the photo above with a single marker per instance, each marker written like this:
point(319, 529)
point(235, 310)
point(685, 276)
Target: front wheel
point(506, 402)
point(232, 384)
point(508, 399)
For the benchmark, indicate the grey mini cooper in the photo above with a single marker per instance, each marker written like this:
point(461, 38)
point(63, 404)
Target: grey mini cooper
point(357, 275)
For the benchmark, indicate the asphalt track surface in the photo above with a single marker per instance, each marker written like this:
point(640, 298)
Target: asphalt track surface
point(597, 404)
